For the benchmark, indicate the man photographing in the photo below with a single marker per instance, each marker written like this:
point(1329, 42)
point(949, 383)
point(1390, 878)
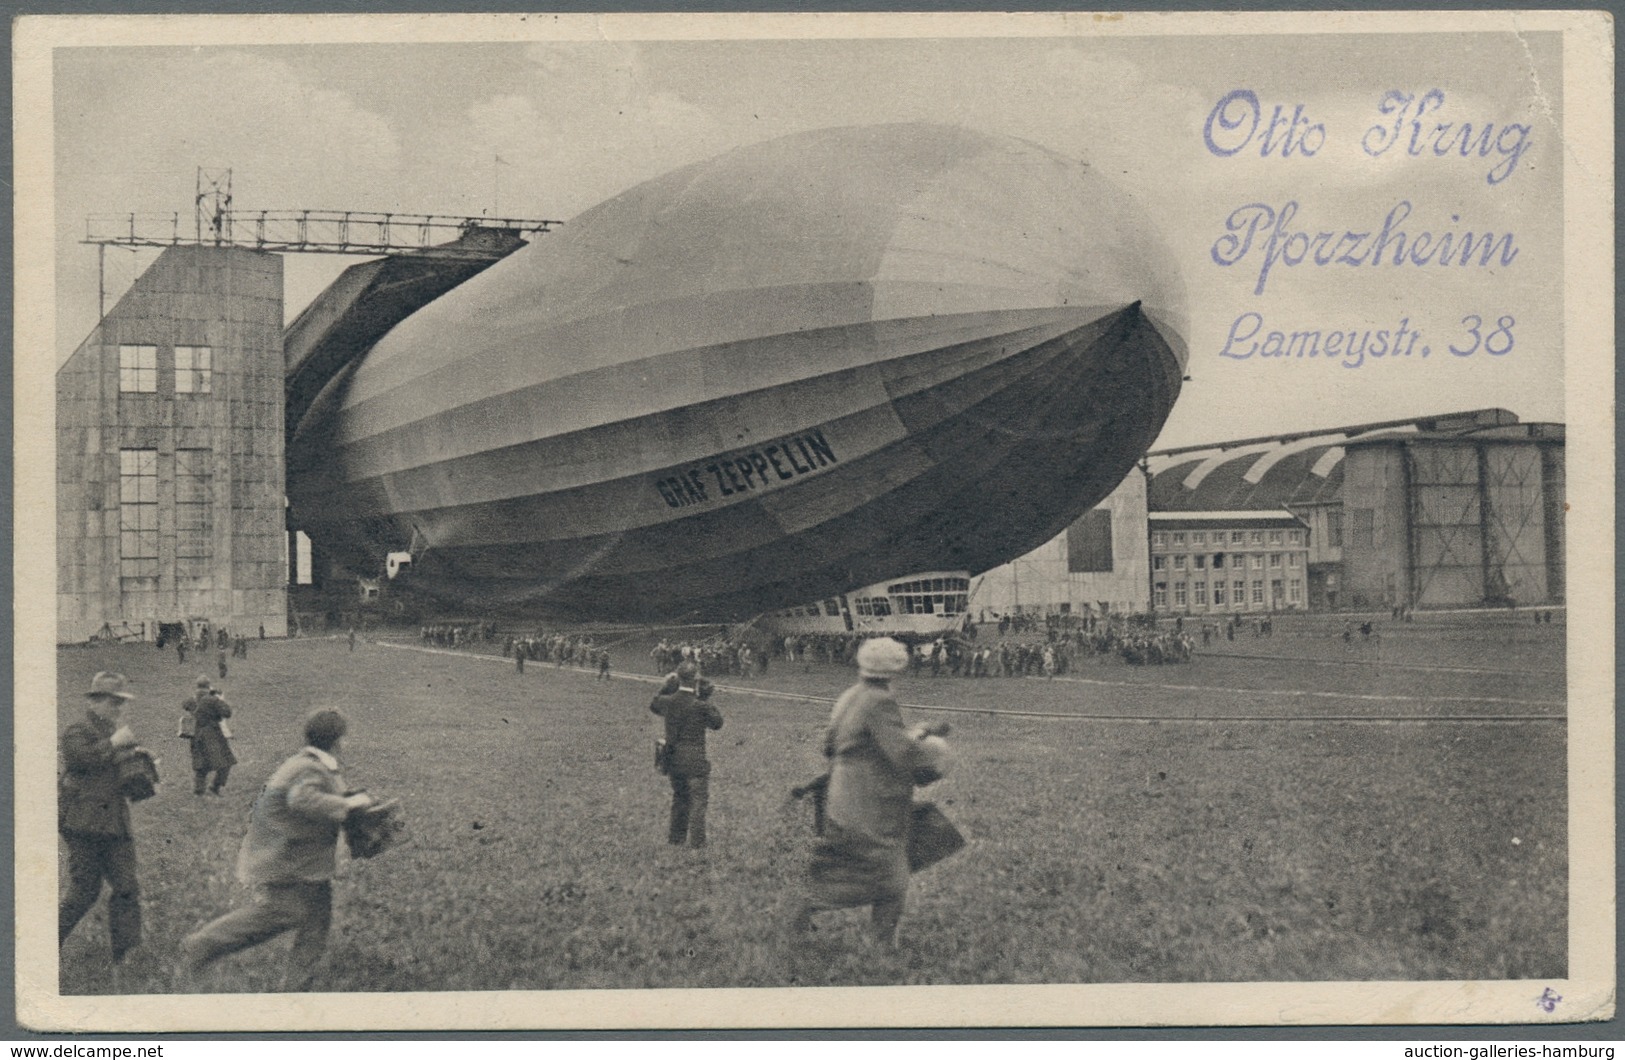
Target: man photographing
point(93, 815)
point(688, 714)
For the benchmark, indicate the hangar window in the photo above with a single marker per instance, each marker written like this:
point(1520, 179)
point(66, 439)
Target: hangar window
point(1334, 527)
point(881, 605)
point(194, 369)
point(138, 370)
point(194, 518)
point(1088, 545)
point(138, 518)
point(832, 608)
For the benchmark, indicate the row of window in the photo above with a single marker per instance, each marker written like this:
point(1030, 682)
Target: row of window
point(138, 516)
point(920, 603)
point(1233, 595)
point(1164, 538)
point(138, 369)
point(931, 585)
point(936, 604)
point(872, 606)
point(1201, 560)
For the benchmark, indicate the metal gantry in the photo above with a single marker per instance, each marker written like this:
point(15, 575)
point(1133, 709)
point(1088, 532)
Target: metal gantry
point(304, 231)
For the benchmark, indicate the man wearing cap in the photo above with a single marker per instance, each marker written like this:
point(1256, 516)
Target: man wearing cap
point(862, 856)
point(211, 751)
point(688, 715)
point(93, 816)
point(290, 855)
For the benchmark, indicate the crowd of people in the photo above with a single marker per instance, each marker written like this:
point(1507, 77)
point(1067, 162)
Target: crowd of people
point(457, 634)
point(733, 657)
point(557, 648)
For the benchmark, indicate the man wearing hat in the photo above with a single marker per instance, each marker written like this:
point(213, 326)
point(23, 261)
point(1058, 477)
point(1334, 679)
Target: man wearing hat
point(211, 750)
point(93, 816)
point(688, 715)
point(861, 859)
point(290, 856)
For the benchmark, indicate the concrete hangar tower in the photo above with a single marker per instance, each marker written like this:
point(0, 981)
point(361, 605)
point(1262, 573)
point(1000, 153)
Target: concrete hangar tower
point(170, 416)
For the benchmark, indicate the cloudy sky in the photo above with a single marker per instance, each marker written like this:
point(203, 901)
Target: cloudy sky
point(417, 128)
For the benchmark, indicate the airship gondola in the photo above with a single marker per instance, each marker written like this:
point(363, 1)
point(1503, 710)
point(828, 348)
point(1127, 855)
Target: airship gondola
point(807, 365)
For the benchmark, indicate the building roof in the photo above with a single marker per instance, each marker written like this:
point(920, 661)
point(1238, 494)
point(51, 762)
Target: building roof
point(1223, 520)
point(1303, 469)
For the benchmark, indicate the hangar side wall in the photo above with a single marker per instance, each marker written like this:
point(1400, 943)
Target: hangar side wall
point(1046, 580)
point(170, 453)
point(1465, 522)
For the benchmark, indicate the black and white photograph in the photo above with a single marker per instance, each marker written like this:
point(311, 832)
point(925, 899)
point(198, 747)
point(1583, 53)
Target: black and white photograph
point(695, 521)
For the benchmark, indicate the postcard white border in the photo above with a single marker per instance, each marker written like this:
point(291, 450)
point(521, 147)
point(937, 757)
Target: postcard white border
point(1588, 300)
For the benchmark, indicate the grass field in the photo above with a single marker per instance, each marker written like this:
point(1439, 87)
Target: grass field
point(1168, 848)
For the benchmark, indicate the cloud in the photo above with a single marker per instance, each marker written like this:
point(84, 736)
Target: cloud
point(134, 125)
point(586, 122)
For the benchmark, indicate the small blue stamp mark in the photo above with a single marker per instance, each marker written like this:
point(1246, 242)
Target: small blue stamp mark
point(1548, 1000)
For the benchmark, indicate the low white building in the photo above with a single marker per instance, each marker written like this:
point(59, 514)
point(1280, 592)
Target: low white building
point(1213, 563)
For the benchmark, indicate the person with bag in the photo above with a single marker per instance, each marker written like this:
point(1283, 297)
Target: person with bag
point(687, 715)
point(211, 741)
point(862, 856)
point(290, 856)
point(93, 815)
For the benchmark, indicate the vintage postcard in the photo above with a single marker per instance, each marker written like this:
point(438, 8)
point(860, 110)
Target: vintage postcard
point(664, 521)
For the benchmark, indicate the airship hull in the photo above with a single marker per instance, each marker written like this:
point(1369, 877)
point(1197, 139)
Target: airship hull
point(612, 428)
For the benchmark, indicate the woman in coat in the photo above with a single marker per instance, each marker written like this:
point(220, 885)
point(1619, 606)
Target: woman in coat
point(862, 856)
point(211, 751)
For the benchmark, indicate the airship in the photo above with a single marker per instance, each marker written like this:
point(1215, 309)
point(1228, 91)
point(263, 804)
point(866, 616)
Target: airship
point(806, 365)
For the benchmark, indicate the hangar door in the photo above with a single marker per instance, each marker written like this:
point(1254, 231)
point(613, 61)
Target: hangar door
point(1478, 532)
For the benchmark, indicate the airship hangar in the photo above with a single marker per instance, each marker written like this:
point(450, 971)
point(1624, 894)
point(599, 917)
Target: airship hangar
point(1446, 511)
point(749, 383)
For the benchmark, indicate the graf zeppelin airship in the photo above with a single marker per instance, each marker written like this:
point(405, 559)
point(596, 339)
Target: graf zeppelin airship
point(806, 365)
